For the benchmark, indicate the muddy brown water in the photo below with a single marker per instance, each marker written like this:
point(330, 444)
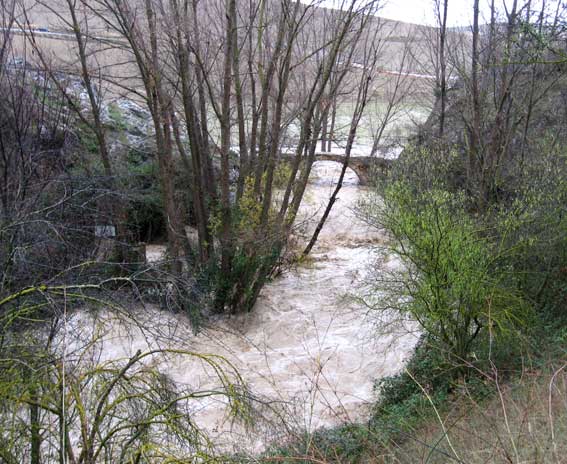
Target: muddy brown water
point(307, 348)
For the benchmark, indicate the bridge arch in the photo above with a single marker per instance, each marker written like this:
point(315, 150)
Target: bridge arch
point(360, 167)
point(363, 166)
point(328, 171)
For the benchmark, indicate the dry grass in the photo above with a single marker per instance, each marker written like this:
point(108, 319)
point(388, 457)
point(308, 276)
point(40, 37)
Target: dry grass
point(523, 422)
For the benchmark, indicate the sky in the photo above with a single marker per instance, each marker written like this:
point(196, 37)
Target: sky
point(421, 11)
point(459, 11)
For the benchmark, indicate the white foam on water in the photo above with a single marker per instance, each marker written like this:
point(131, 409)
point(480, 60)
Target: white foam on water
point(306, 348)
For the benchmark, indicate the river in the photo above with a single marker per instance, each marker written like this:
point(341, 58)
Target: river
point(307, 347)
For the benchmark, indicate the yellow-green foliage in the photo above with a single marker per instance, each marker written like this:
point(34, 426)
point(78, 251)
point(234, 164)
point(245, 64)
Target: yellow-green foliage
point(249, 208)
point(248, 213)
point(454, 284)
point(122, 410)
point(282, 174)
point(215, 222)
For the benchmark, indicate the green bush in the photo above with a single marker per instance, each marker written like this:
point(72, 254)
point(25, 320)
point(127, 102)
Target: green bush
point(454, 281)
point(401, 404)
point(535, 224)
point(347, 443)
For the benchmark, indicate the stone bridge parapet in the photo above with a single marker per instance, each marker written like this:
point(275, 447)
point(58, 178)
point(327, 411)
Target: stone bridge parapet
point(363, 166)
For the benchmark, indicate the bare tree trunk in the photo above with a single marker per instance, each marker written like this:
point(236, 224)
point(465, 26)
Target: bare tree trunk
point(500, 130)
point(241, 118)
point(324, 133)
point(475, 135)
point(361, 101)
point(98, 127)
point(209, 180)
point(35, 427)
point(194, 132)
point(285, 69)
point(226, 216)
point(532, 97)
point(267, 83)
point(252, 158)
point(331, 137)
point(160, 110)
point(443, 67)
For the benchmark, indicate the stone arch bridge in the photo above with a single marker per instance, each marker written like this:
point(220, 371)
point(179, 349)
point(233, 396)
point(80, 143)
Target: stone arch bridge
point(363, 166)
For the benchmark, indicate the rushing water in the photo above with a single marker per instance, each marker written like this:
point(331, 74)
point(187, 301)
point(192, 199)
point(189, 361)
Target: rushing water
point(306, 346)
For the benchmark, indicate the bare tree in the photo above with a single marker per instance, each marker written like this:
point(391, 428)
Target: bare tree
point(441, 9)
point(33, 146)
point(370, 56)
point(74, 18)
point(475, 132)
point(271, 34)
point(392, 92)
point(267, 73)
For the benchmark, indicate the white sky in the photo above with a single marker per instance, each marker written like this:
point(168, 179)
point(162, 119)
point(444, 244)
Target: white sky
point(421, 11)
point(459, 11)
